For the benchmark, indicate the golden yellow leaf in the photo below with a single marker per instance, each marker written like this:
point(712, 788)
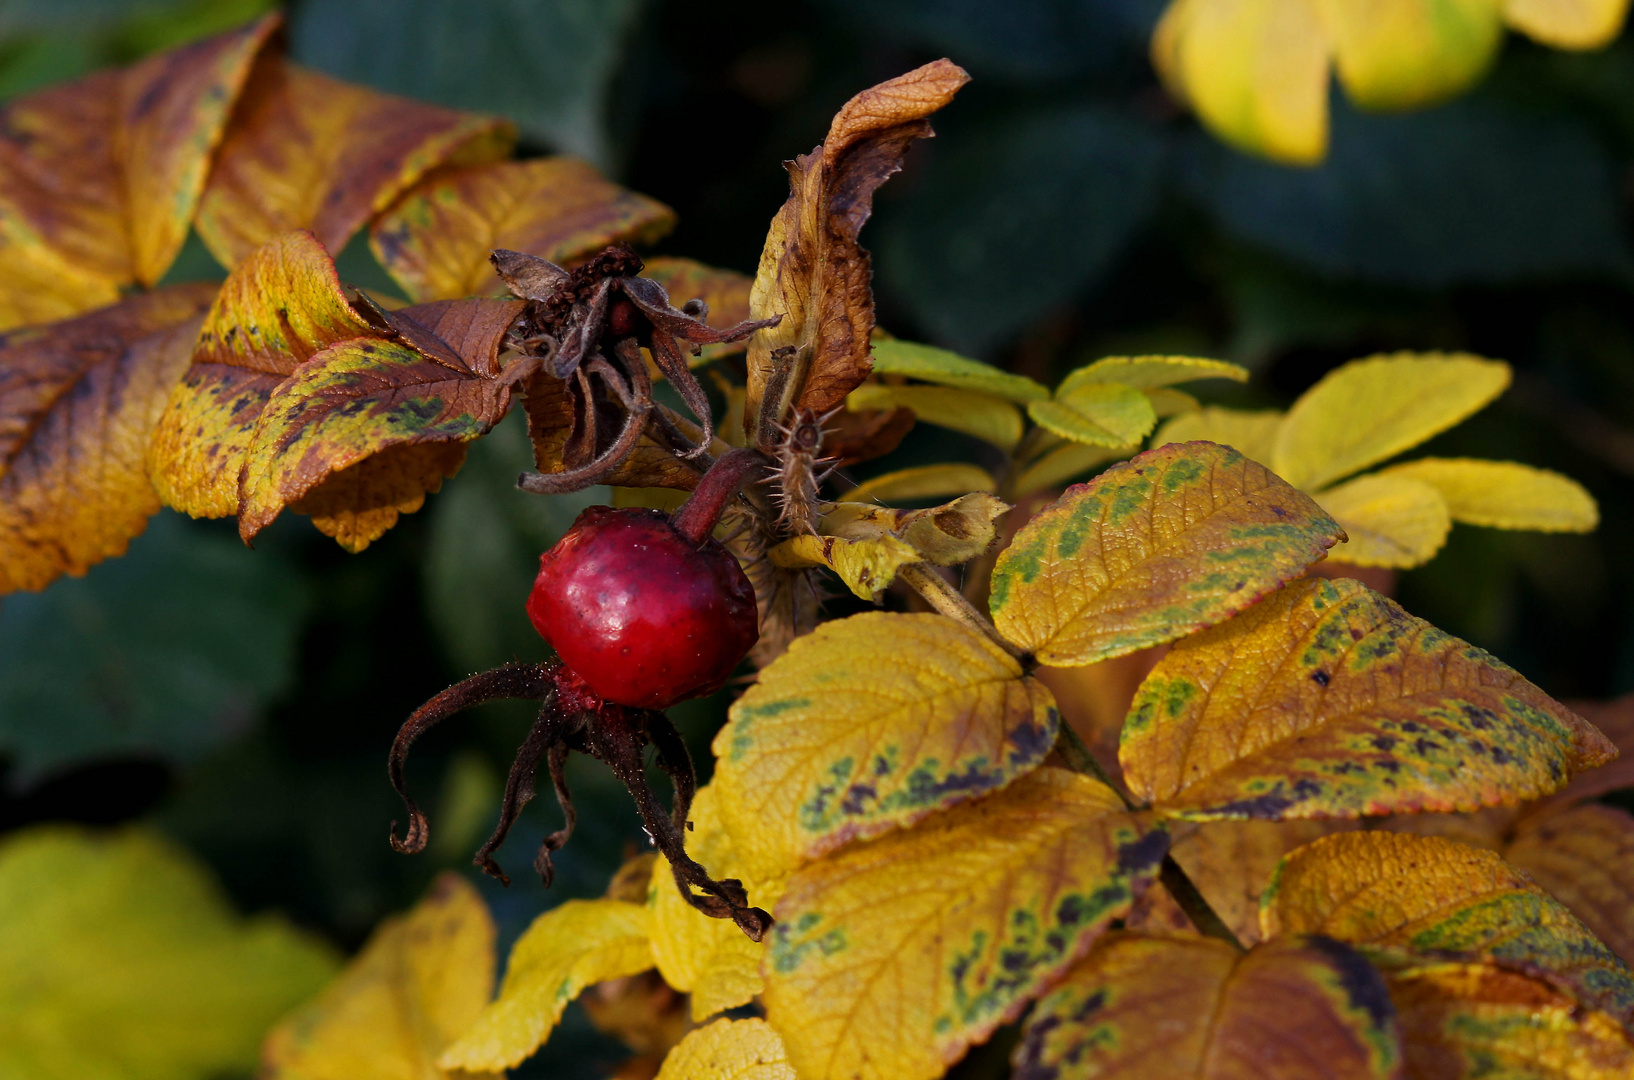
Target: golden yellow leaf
point(304, 151)
point(121, 957)
point(841, 738)
point(1063, 463)
point(1433, 897)
point(1256, 71)
point(866, 566)
point(435, 240)
point(1568, 24)
point(1328, 700)
point(79, 400)
point(812, 270)
point(1584, 857)
point(890, 958)
point(930, 364)
point(1369, 410)
point(1150, 372)
point(562, 952)
point(418, 984)
point(1403, 54)
point(1143, 1007)
point(946, 535)
point(1231, 863)
point(1100, 414)
point(1504, 494)
point(1162, 545)
point(729, 1050)
point(923, 482)
point(99, 178)
point(727, 294)
point(1389, 520)
point(1253, 434)
point(989, 418)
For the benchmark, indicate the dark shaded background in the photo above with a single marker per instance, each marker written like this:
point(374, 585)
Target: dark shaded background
point(1067, 210)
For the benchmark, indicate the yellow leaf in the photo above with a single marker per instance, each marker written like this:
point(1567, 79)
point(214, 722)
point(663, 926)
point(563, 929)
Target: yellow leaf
point(729, 1050)
point(842, 738)
point(1328, 700)
point(1063, 463)
point(946, 535)
point(1162, 545)
point(1253, 434)
point(1584, 857)
point(1403, 54)
point(1390, 520)
point(710, 959)
point(1150, 372)
point(418, 984)
point(923, 482)
point(1435, 898)
point(890, 958)
point(1101, 414)
point(1504, 494)
point(120, 957)
point(982, 415)
point(1568, 24)
point(866, 566)
point(1231, 863)
point(1167, 401)
point(1256, 71)
point(929, 364)
point(562, 952)
point(435, 240)
point(1140, 1008)
point(1369, 410)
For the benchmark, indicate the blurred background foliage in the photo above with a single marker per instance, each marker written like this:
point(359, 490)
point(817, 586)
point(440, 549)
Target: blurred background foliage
point(244, 701)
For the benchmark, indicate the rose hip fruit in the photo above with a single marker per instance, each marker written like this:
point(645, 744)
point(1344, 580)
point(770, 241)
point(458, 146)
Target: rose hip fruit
point(642, 614)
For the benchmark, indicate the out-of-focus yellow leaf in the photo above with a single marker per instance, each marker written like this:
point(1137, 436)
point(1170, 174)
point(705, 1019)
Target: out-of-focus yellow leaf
point(946, 535)
point(1504, 494)
point(1256, 71)
point(812, 270)
point(304, 151)
point(435, 240)
point(1568, 24)
point(1403, 54)
point(1150, 372)
point(1231, 863)
point(1328, 700)
point(841, 738)
point(1390, 520)
point(418, 984)
point(1584, 857)
point(1100, 414)
point(890, 958)
point(729, 1050)
point(1369, 410)
point(1434, 897)
point(1252, 433)
point(565, 950)
point(1063, 463)
point(982, 415)
point(79, 400)
point(99, 178)
point(923, 482)
point(866, 566)
point(710, 959)
point(1167, 401)
point(1166, 543)
point(727, 294)
point(1139, 1008)
point(120, 957)
point(930, 364)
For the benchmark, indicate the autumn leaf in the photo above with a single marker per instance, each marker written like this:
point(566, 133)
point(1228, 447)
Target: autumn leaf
point(1585, 24)
point(120, 957)
point(1231, 863)
point(923, 482)
point(1328, 700)
point(304, 151)
point(435, 240)
point(79, 401)
point(812, 270)
point(1140, 1007)
point(99, 179)
point(891, 958)
point(840, 739)
point(1253, 433)
point(419, 983)
point(1389, 520)
point(1505, 494)
point(946, 535)
point(980, 415)
point(1615, 719)
point(930, 364)
point(562, 952)
point(1421, 52)
point(1065, 461)
point(1584, 857)
point(1099, 414)
point(1164, 544)
point(1149, 373)
point(866, 566)
point(729, 1050)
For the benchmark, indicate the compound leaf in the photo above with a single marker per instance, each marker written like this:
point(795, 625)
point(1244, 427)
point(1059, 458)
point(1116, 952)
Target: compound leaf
point(1157, 547)
point(1389, 520)
point(1097, 413)
point(976, 413)
point(1150, 372)
point(1328, 700)
point(1584, 857)
point(1253, 434)
point(840, 740)
point(930, 364)
point(891, 958)
point(1142, 1006)
point(421, 981)
point(729, 1050)
point(1505, 494)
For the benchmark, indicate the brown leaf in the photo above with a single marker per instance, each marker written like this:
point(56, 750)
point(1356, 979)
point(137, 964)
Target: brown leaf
point(436, 239)
point(1231, 862)
point(726, 292)
point(78, 403)
point(1584, 857)
point(852, 437)
point(305, 151)
point(1614, 718)
point(99, 178)
point(813, 271)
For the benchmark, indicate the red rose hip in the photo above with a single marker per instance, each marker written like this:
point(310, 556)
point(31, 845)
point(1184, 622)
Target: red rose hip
point(640, 613)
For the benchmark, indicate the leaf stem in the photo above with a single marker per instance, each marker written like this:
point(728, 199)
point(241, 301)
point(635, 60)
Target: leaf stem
point(950, 602)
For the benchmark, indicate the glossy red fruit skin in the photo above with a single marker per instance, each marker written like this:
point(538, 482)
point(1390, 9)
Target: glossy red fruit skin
point(643, 616)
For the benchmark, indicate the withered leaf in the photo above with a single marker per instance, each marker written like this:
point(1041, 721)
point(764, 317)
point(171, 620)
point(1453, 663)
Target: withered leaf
point(853, 436)
point(566, 434)
point(813, 271)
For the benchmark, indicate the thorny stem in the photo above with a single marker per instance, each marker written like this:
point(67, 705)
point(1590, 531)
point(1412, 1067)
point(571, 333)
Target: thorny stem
point(950, 602)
